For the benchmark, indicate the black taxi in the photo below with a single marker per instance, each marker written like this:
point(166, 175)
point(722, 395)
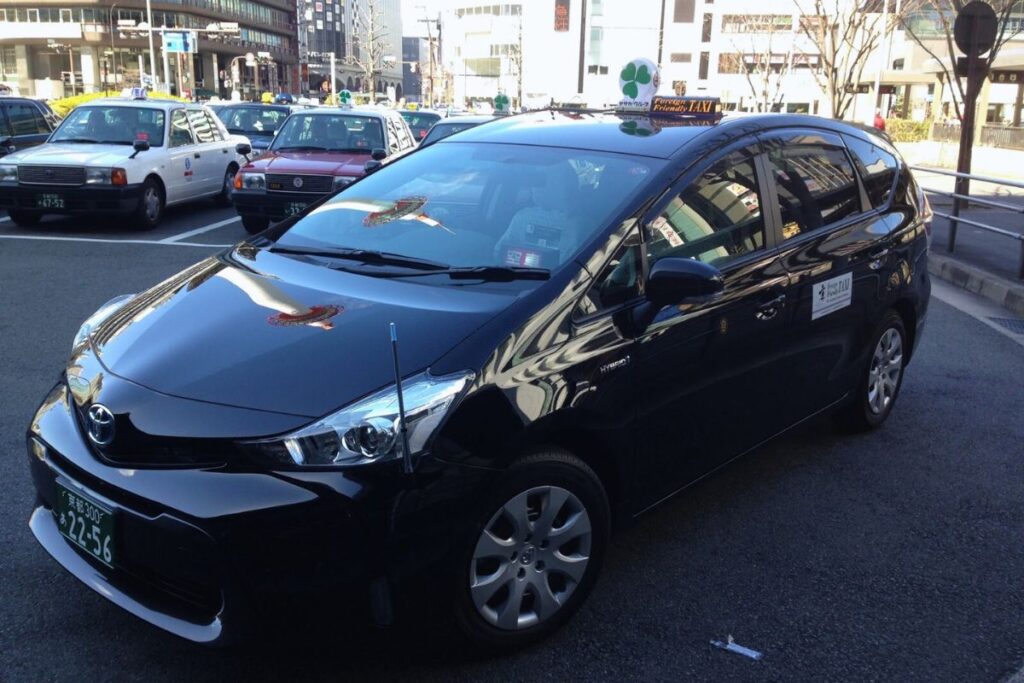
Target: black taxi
point(460, 372)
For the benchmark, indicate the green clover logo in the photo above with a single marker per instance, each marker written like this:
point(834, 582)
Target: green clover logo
point(631, 76)
point(345, 97)
point(632, 128)
point(501, 102)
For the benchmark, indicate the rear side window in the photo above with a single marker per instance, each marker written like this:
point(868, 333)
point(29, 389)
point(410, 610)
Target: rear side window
point(715, 219)
point(204, 130)
point(816, 184)
point(877, 169)
point(25, 119)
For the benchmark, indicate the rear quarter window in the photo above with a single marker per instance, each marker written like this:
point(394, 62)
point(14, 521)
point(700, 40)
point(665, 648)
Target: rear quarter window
point(877, 168)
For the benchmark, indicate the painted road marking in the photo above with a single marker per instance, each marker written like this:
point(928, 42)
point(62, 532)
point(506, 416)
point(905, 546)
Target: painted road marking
point(198, 231)
point(108, 241)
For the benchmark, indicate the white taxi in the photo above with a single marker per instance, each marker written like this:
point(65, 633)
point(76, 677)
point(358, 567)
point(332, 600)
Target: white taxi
point(129, 156)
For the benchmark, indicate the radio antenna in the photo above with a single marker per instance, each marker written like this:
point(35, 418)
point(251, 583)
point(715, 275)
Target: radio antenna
point(406, 454)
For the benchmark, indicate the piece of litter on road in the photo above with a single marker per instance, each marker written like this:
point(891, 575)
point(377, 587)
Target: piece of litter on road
point(731, 646)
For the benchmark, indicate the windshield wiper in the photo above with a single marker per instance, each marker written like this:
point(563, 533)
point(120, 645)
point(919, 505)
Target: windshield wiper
point(367, 256)
point(488, 273)
point(85, 140)
point(301, 148)
point(240, 131)
point(351, 150)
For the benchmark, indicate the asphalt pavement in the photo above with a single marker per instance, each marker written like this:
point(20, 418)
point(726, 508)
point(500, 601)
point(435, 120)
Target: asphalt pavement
point(895, 555)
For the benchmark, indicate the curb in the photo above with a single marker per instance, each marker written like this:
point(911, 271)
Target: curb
point(1005, 293)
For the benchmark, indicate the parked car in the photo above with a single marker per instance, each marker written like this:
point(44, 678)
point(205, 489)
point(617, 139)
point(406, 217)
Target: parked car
point(316, 152)
point(257, 122)
point(125, 156)
point(24, 123)
point(462, 371)
point(420, 121)
point(450, 126)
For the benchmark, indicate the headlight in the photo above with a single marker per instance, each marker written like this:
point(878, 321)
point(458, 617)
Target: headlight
point(97, 318)
point(342, 181)
point(368, 431)
point(8, 173)
point(251, 181)
point(97, 176)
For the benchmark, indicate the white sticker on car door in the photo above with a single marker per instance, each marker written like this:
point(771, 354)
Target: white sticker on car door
point(831, 295)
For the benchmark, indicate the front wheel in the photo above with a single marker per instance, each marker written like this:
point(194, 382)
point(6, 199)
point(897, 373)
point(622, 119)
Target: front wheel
point(24, 219)
point(255, 224)
point(535, 552)
point(882, 378)
point(150, 210)
point(224, 198)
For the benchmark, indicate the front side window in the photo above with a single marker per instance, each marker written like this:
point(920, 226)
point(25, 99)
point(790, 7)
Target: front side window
point(330, 132)
point(25, 119)
point(619, 280)
point(877, 168)
point(815, 181)
point(181, 134)
point(716, 219)
point(478, 204)
point(112, 124)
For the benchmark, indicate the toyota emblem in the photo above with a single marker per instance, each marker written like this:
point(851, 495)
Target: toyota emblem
point(100, 423)
point(297, 182)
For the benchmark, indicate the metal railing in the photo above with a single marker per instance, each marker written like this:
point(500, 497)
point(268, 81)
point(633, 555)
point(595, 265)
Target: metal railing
point(960, 199)
point(1007, 137)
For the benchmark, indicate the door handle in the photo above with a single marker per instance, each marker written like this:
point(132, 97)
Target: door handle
point(197, 155)
point(769, 309)
point(878, 257)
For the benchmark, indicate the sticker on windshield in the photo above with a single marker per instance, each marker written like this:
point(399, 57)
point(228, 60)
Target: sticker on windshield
point(831, 295)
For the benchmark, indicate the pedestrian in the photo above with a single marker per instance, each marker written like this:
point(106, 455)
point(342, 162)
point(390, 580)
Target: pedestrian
point(879, 121)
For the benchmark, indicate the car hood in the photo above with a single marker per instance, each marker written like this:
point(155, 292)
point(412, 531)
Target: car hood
point(259, 330)
point(72, 154)
point(326, 163)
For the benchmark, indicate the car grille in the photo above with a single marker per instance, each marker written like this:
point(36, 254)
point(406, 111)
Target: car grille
point(312, 184)
point(51, 175)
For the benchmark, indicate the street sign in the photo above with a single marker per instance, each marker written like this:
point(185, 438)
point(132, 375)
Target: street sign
point(180, 41)
point(975, 28)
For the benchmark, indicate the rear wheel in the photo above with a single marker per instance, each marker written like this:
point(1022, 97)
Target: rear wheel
point(881, 379)
point(150, 210)
point(24, 219)
point(255, 224)
point(224, 198)
point(535, 552)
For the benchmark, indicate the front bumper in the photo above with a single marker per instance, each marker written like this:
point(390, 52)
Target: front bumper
point(83, 199)
point(211, 554)
point(275, 206)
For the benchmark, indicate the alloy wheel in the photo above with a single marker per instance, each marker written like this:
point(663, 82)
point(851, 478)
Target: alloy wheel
point(885, 371)
point(530, 557)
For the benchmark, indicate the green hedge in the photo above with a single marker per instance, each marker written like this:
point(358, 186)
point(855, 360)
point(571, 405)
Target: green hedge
point(904, 130)
point(64, 105)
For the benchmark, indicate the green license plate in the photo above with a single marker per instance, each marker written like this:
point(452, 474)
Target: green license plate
point(49, 201)
point(293, 208)
point(88, 525)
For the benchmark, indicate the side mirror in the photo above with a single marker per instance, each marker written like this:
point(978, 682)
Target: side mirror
point(139, 146)
point(672, 280)
point(371, 166)
point(243, 148)
point(379, 154)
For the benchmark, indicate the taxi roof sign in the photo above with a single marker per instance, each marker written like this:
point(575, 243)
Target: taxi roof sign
point(138, 93)
point(691, 107)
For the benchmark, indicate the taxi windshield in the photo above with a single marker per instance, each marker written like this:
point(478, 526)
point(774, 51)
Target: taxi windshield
point(469, 205)
point(330, 133)
point(253, 120)
point(112, 125)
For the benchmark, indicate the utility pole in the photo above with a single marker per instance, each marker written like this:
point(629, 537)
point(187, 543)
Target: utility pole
point(152, 54)
point(883, 59)
point(334, 79)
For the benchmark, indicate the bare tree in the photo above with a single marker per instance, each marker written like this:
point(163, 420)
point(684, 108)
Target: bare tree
point(845, 33)
point(515, 58)
point(764, 69)
point(935, 36)
point(369, 41)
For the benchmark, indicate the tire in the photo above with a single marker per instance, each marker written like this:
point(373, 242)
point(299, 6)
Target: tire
point(224, 198)
point(255, 224)
point(881, 378)
point(150, 210)
point(511, 560)
point(24, 219)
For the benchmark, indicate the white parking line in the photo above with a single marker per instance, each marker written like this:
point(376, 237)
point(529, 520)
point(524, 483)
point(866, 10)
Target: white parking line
point(198, 231)
point(108, 241)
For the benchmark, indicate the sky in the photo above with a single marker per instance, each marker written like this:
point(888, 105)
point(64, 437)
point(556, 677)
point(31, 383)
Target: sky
point(412, 10)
